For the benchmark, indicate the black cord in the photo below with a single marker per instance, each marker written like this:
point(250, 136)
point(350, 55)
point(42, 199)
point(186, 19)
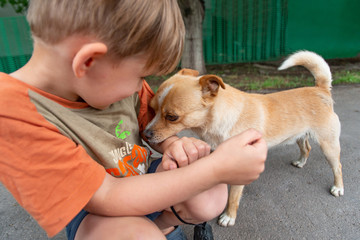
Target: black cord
point(178, 217)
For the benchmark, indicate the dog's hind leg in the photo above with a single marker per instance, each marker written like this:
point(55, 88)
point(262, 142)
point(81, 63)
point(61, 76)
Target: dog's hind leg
point(229, 216)
point(331, 149)
point(305, 148)
point(329, 140)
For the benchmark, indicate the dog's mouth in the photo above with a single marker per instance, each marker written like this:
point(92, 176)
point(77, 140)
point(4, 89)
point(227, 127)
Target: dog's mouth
point(153, 137)
point(158, 140)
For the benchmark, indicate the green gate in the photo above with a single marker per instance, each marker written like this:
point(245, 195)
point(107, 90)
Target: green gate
point(329, 27)
point(15, 43)
point(244, 30)
point(255, 30)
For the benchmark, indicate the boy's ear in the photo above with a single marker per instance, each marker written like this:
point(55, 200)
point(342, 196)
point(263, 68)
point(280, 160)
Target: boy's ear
point(210, 84)
point(85, 57)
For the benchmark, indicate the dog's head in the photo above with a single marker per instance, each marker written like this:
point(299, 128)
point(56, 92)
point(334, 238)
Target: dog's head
point(182, 102)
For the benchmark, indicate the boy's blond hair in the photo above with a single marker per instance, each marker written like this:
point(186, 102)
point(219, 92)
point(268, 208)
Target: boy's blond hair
point(127, 27)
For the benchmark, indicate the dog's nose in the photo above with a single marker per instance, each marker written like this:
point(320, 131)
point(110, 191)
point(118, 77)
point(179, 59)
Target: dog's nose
point(148, 134)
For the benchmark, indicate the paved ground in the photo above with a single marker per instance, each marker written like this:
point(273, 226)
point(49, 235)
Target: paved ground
point(284, 203)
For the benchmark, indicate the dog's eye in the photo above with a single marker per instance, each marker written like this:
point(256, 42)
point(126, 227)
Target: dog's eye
point(171, 118)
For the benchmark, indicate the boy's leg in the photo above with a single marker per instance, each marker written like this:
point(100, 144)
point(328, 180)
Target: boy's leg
point(198, 209)
point(203, 207)
point(99, 227)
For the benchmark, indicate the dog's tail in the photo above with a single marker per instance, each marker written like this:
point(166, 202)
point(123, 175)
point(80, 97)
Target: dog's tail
point(314, 63)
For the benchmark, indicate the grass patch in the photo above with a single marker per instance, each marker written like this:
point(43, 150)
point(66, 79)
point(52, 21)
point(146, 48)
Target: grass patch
point(346, 77)
point(272, 83)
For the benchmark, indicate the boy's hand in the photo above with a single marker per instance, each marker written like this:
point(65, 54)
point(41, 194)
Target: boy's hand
point(183, 152)
point(240, 159)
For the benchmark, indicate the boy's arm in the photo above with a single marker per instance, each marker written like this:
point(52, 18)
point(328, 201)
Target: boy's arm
point(239, 160)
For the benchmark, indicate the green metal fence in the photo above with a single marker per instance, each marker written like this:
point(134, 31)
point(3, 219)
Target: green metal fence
point(15, 43)
point(254, 30)
point(328, 27)
point(244, 30)
point(241, 31)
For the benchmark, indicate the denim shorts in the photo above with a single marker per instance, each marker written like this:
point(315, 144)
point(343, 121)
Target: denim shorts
point(73, 226)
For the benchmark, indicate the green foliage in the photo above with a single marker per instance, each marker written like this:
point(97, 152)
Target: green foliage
point(346, 77)
point(19, 6)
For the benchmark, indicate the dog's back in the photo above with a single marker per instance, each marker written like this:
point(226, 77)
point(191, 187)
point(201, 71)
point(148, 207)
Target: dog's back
point(282, 117)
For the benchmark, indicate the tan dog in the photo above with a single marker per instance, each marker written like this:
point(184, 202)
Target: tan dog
point(217, 111)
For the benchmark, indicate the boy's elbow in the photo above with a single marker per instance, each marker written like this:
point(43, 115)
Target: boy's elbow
point(98, 203)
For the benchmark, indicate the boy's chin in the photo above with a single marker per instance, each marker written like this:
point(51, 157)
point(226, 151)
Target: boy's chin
point(99, 106)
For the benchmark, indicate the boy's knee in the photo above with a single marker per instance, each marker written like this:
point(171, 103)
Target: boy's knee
point(148, 230)
point(207, 206)
point(206, 211)
point(97, 227)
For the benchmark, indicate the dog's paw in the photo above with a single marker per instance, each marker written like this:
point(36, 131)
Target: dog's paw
point(336, 191)
point(226, 221)
point(298, 163)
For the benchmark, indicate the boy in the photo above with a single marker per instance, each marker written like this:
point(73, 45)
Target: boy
point(75, 110)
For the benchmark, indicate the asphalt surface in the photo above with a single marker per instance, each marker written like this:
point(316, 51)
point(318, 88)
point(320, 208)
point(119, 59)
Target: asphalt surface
point(284, 203)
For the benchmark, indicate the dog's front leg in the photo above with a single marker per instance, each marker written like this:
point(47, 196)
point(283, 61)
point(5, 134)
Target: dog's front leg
point(228, 217)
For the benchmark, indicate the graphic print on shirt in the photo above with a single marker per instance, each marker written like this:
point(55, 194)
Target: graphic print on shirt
point(120, 133)
point(130, 159)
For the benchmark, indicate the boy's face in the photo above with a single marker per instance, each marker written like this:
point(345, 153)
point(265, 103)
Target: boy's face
point(108, 83)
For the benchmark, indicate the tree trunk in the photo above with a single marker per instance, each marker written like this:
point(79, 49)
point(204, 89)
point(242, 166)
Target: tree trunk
point(193, 14)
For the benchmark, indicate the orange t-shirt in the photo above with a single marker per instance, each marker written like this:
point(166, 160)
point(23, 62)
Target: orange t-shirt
point(54, 153)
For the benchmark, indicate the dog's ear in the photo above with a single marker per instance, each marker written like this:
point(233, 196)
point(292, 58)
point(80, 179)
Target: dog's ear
point(210, 84)
point(189, 72)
